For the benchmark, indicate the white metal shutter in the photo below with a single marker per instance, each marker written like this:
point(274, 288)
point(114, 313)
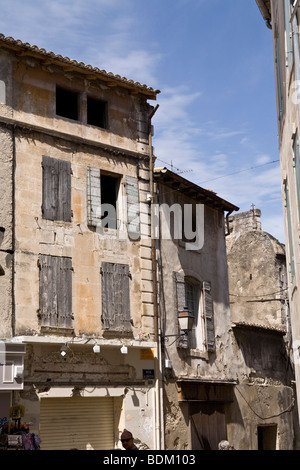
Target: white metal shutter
point(77, 422)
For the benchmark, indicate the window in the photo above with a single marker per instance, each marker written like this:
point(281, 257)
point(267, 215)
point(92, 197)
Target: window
point(197, 297)
point(55, 284)
point(115, 297)
point(67, 103)
point(56, 203)
point(96, 113)
point(103, 202)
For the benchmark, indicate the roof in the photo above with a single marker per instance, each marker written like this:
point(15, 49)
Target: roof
point(203, 196)
point(265, 9)
point(93, 72)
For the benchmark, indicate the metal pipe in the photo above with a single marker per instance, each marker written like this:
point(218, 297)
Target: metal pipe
point(157, 360)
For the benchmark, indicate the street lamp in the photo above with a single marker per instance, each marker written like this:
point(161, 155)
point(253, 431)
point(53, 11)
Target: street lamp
point(185, 322)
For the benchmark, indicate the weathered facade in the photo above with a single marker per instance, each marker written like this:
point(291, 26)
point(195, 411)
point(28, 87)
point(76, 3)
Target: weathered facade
point(282, 17)
point(199, 371)
point(264, 409)
point(76, 269)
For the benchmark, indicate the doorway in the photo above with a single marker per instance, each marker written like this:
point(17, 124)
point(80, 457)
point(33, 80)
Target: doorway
point(208, 426)
point(266, 437)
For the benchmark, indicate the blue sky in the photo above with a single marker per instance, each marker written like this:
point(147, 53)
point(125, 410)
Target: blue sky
point(213, 62)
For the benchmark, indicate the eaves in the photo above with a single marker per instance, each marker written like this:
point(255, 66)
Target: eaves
point(50, 58)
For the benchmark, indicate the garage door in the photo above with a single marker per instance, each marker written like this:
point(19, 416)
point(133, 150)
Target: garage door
point(77, 422)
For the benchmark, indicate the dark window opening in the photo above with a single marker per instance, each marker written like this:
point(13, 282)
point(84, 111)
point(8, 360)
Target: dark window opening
point(96, 113)
point(266, 436)
point(67, 104)
point(109, 193)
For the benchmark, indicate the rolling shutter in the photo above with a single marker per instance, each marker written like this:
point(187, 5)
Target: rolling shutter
point(77, 422)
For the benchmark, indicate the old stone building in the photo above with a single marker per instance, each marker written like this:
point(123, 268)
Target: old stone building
point(283, 19)
point(77, 322)
point(199, 367)
point(264, 409)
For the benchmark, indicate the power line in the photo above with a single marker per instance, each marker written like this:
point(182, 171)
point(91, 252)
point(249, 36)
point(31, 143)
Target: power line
point(240, 171)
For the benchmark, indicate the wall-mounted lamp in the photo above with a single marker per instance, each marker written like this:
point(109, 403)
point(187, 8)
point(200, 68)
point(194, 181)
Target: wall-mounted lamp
point(64, 349)
point(96, 348)
point(124, 349)
point(185, 322)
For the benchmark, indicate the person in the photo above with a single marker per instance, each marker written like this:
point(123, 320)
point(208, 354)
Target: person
point(127, 440)
point(224, 445)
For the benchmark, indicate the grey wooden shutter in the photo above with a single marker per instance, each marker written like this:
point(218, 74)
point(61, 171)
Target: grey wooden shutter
point(180, 304)
point(64, 292)
point(93, 196)
point(209, 316)
point(133, 208)
point(64, 191)
point(50, 188)
point(47, 291)
point(56, 189)
point(55, 287)
point(115, 297)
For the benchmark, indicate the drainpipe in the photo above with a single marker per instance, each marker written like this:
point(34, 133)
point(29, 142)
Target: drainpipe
point(227, 223)
point(158, 366)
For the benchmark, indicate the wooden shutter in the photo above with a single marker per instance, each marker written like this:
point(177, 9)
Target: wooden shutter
point(115, 297)
point(64, 191)
point(55, 286)
point(93, 196)
point(209, 316)
point(50, 188)
point(133, 208)
point(180, 304)
point(56, 189)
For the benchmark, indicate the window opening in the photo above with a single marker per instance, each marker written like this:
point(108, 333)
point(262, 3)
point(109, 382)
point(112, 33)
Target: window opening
point(67, 104)
point(109, 192)
point(96, 113)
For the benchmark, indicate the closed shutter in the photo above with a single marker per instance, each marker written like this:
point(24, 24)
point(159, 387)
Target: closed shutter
point(77, 422)
point(50, 188)
point(209, 316)
point(133, 208)
point(55, 286)
point(93, 197)
point(56, 189)
point(115, 297)
point(64, 191)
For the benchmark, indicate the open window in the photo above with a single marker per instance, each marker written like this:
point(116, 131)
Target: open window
point(104, 206)
point(67, 103)
point(197, 297)
point(96, 112)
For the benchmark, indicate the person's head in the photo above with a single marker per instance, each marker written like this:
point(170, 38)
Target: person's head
point(127, 440)
point(224, 445)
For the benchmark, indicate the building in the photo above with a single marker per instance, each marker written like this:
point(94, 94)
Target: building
point(265, 405)
point(77, 328)
point(282, 17)
point(199, 371)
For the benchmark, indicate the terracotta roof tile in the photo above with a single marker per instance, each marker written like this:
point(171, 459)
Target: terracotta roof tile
point(33, 49)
